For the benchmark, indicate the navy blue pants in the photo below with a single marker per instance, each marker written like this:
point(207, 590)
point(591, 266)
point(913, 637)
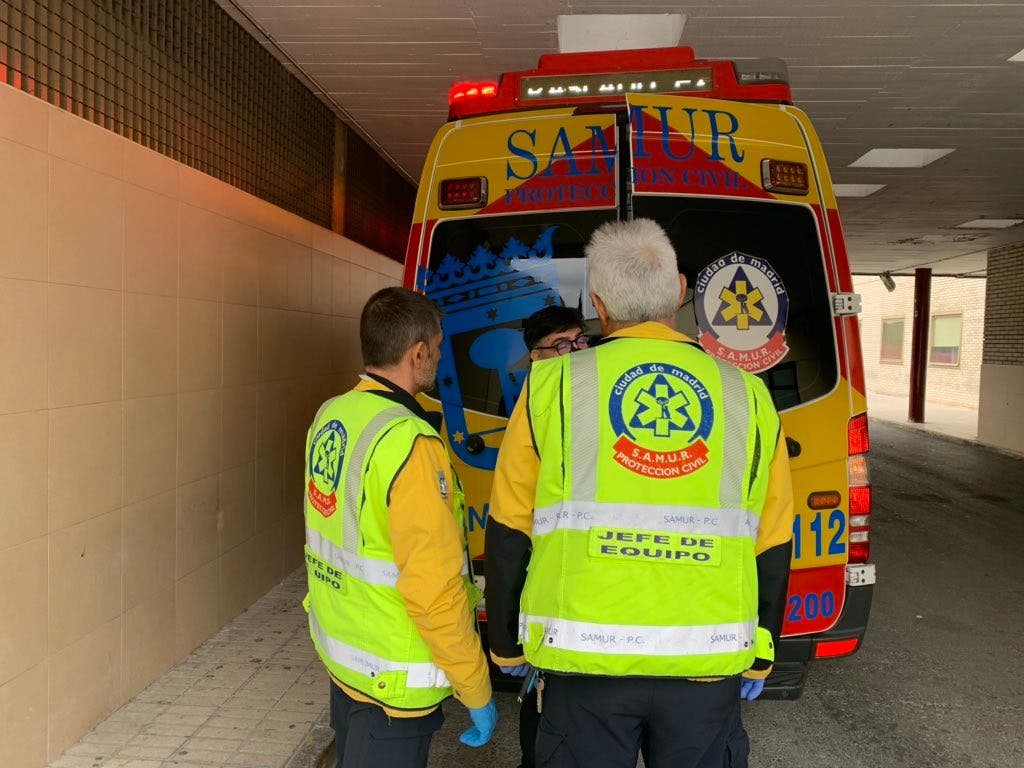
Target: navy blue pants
point(365, 737)
point(529, 719)
point(602, 722)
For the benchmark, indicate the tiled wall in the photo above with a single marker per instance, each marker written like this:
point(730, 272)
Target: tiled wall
point(164, 341)
point(946, 385)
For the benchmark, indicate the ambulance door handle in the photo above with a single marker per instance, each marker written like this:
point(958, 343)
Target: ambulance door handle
point(793, 447)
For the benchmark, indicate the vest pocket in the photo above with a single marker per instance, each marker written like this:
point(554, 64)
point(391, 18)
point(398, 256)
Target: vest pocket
point(535, 636)
point(388, 685)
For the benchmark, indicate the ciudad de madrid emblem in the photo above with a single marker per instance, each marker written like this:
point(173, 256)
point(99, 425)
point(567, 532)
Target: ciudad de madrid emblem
point(742, 308)
point(662, 417)
point(326, 456)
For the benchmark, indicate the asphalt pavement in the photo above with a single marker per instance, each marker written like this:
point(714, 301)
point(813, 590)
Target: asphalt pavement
point(939, 682)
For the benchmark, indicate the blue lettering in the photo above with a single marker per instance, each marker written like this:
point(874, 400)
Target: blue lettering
point(562, 138)
point(478, 519)
point(522, 152)
point(597, 137)
point(666, 144)
point(636, 120)
point(717, 133)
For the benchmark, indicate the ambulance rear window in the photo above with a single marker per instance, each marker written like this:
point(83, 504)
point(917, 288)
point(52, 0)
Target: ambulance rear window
point(488, 274)
point(758, 291)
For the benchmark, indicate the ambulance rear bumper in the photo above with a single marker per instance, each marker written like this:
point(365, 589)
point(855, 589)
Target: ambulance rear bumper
point(794, 653)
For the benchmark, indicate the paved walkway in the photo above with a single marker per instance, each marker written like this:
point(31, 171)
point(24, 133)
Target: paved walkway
point(938, 419)
point(253, 695)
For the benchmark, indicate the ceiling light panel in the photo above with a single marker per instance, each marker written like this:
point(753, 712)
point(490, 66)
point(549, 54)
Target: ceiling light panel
point(899, 158)
point(609, 32)
point(990, 224)
point(856, 190)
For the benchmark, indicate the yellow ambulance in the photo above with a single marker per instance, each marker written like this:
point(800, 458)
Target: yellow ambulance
point(523, 172)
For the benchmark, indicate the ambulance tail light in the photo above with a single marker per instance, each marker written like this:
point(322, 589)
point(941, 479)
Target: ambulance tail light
point(859, 444)
point(829, 649)
point(466, 91)
point(456, 194)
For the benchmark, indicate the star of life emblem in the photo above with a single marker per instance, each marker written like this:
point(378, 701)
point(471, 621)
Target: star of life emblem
point(742, 308)
point(326, 457)
point(663, 416)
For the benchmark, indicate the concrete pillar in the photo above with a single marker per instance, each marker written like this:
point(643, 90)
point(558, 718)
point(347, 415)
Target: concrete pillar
point(1001, 401)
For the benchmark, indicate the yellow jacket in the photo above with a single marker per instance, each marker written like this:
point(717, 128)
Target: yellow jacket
point(512, 496)
point(429, 551)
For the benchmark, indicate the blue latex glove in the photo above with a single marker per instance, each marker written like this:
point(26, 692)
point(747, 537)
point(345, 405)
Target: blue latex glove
point(519, 670)
point(484, 720)
point(750, 689)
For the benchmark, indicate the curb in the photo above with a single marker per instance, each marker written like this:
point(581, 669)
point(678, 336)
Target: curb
point(316, 750)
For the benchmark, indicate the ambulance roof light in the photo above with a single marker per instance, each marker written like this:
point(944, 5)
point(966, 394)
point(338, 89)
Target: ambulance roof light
point(464, 91)
point(754, 71)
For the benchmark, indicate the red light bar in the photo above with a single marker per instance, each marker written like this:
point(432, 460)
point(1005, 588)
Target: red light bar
point(563, 79)
point(462, 91)
point(829, 649)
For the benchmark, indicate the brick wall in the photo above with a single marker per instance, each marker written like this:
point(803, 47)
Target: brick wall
point(1001, 413)
point(946, 385)
point(1004, 306)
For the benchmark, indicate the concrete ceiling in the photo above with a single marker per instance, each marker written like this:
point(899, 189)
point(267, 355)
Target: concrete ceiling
point(870, 73)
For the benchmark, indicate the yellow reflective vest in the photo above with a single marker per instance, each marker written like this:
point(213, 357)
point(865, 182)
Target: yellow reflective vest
point(358, 620)
point(654, 465)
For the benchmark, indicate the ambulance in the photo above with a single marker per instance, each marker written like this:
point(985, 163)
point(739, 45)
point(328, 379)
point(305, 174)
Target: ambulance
point(526, 168)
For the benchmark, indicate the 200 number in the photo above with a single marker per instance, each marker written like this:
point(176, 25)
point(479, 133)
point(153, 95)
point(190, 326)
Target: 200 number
point(836, 526)
point(810, 606)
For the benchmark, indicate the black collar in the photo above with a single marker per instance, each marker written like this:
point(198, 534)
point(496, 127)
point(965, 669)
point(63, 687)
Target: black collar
point(397, 394)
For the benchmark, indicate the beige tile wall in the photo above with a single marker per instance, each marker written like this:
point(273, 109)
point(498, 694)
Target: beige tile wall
point(164, 340)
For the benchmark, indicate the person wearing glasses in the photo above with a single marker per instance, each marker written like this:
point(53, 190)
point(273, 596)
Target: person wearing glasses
point(549, 332)
point(554, 331)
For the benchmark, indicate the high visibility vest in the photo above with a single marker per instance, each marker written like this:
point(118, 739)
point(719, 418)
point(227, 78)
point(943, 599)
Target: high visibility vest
point(653, 473)
point(357, 618)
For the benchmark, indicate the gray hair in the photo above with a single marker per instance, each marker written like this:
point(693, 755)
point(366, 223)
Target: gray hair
point(632, 266)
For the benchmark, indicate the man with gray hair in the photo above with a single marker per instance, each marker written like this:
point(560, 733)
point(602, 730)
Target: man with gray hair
point(646, 485)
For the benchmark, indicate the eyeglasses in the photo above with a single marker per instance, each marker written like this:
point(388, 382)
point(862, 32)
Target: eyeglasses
point(565, 346)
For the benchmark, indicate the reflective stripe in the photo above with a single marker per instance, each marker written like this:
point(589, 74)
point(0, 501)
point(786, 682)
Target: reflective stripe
point(354, 475)
point(418, 675)
point(383, 573)
point(584, 430)
point(323, 409)
point(736, 416)
point(618, 639)
point(380, 572)
point(584, 426)
point(583, 515)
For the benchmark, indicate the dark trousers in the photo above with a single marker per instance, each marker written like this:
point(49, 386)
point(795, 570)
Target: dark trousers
point(601, 722)
point(365, 737)
point(529, 718)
